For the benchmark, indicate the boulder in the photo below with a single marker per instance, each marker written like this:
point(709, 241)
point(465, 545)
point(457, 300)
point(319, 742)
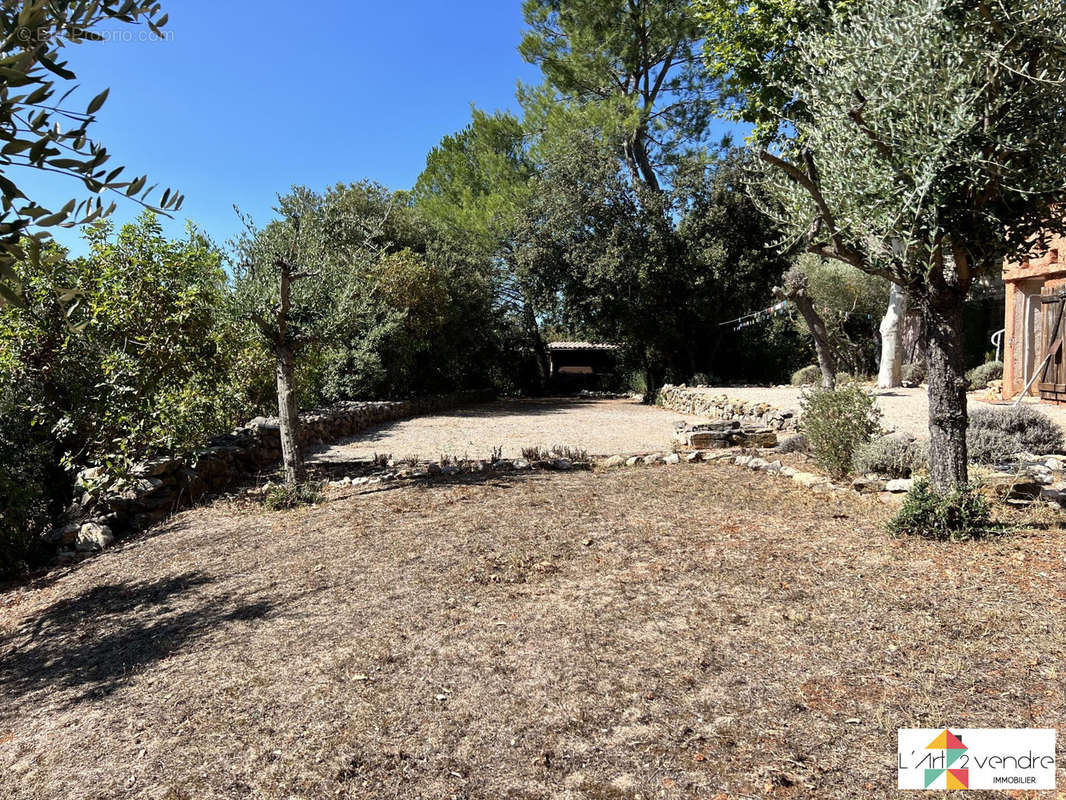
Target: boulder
point(64, 535)
point(793, 443)
point(1011, 485)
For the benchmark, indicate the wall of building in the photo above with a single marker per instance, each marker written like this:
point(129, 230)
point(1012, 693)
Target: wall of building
point(1023, 345)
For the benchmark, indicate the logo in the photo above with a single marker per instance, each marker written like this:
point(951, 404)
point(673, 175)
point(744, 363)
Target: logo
point(976, 758)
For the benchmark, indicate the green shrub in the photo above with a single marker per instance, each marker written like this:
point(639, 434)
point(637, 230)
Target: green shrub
point(996, 434)
point(962, 514)
point(893, 456)
point(24, 491)
point(913, 373)
point(836, 422)
point(279, 498)
point(980, 377)
point(810, 375)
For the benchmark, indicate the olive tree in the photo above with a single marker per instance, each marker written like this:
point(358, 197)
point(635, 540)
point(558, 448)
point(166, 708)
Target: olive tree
point(932, 145)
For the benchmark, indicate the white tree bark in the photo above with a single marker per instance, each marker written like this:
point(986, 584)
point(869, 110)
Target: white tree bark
point(889, 375)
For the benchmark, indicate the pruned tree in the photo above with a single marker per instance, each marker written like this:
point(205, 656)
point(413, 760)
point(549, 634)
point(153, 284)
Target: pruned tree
point(39, 132)
point(931, 146)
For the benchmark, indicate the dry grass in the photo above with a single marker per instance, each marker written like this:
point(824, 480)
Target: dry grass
point(676, 632)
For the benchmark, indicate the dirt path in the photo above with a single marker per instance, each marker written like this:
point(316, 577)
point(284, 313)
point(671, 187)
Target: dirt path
point(695, 631)
point(601, 427)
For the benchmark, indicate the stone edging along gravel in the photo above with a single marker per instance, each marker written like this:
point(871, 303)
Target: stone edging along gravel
point(107, 505)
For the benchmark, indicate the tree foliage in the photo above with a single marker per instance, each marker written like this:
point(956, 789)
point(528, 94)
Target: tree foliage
point(752, 49)
point(651, 270)
point(37, 131)
point(929, 147)
point(628, 68)
point(145, 362)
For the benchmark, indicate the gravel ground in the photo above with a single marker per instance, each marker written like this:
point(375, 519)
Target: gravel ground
point(903, 409)
point(602, 427)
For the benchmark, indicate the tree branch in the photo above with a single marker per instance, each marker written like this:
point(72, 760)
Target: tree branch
point(840, 250)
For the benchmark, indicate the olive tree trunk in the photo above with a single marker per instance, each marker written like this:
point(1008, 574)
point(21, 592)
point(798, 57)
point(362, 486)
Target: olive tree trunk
point(947, 394)
point(794, 289)
point(288, 419)
point(827, 361)
point(890, 374)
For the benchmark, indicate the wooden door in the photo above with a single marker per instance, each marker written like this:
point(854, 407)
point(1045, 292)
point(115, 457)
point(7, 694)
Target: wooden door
point(1052, 380)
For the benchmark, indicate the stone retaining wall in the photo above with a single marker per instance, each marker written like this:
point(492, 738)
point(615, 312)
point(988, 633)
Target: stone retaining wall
point(108, 506)
point(702, 403)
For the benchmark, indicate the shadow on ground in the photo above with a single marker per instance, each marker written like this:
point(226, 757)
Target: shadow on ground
point(93, 642)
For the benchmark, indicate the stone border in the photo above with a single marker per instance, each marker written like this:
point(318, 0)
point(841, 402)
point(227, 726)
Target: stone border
point(701, 403)
point(156, 489)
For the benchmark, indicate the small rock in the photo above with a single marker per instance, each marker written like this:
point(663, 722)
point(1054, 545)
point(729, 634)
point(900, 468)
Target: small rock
point(758, 463)
point(672, 458)
point(632, 461)
point(868, 485)
point(520, 463)
point(694, 456)
point(449, 469)
point(899, 485)
point(742, 461)
point(92, 537)
point(1053, 464)
point(809, 479)
point(65, 535)
point(614, 461)
point(562, 464)
point(651, 459)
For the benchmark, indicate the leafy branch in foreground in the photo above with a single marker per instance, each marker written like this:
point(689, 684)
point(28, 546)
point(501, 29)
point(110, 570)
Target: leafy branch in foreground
point(37, 131)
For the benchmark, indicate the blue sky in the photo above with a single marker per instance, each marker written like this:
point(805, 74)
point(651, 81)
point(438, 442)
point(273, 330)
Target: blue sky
point(247, 98)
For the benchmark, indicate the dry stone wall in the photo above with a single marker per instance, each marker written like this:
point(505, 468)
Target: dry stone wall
point(704, 403)
point(108, 506)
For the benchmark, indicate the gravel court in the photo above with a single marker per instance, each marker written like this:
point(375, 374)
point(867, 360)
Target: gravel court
point(601, 427)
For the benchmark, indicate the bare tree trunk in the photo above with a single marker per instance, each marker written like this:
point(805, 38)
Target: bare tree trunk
point(794, 289)
point(289, 419)
point(890, 373)
point(947, 394)
point(827, 362)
